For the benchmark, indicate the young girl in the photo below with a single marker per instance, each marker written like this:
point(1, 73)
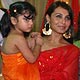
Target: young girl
point(18, 59)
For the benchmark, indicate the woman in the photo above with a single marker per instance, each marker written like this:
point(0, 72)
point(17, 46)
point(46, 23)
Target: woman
point(58, 59)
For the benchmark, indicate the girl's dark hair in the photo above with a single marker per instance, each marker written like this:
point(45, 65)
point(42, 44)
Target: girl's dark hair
point(15, 9)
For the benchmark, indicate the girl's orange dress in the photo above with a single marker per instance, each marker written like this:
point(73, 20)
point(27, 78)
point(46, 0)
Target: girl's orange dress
point(15, 67)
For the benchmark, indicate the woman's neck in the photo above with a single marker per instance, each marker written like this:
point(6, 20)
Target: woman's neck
point(56, 39)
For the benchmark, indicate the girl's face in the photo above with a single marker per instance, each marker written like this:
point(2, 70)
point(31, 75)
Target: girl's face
point(59, 20)
point(24, 24)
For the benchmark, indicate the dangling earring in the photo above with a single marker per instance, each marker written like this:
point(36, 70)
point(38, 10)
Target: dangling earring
point(47, 30)
point(67, 35)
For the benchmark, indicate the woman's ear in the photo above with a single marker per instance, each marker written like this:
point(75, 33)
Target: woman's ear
point(13, 20)
point(47, 18)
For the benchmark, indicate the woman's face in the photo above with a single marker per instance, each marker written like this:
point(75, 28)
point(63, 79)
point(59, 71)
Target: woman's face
point(59, 20)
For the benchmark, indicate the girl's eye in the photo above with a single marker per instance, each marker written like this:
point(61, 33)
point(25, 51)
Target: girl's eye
point(29, 18)
point(26, 19)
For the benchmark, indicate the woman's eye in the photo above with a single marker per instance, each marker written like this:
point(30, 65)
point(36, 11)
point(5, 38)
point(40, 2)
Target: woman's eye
point(68, 18)
point(58, 16)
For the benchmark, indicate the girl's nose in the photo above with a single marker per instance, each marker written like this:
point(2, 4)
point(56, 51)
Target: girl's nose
point(31, 21)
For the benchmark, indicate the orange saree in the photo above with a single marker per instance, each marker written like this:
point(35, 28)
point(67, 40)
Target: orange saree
point(15, 67)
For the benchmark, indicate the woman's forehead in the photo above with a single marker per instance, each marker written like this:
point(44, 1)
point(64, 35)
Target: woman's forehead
point(61, 10)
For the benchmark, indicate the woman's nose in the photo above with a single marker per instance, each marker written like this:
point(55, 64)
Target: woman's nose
point(63, 21)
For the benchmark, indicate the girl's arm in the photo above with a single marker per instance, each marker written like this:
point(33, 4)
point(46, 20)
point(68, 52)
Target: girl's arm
point(30, 55)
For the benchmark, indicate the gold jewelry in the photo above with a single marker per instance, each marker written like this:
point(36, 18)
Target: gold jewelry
point(67, 35)
point(47, 30)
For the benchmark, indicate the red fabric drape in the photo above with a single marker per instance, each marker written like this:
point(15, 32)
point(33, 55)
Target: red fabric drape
point(75, 7)
point(47, 5)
